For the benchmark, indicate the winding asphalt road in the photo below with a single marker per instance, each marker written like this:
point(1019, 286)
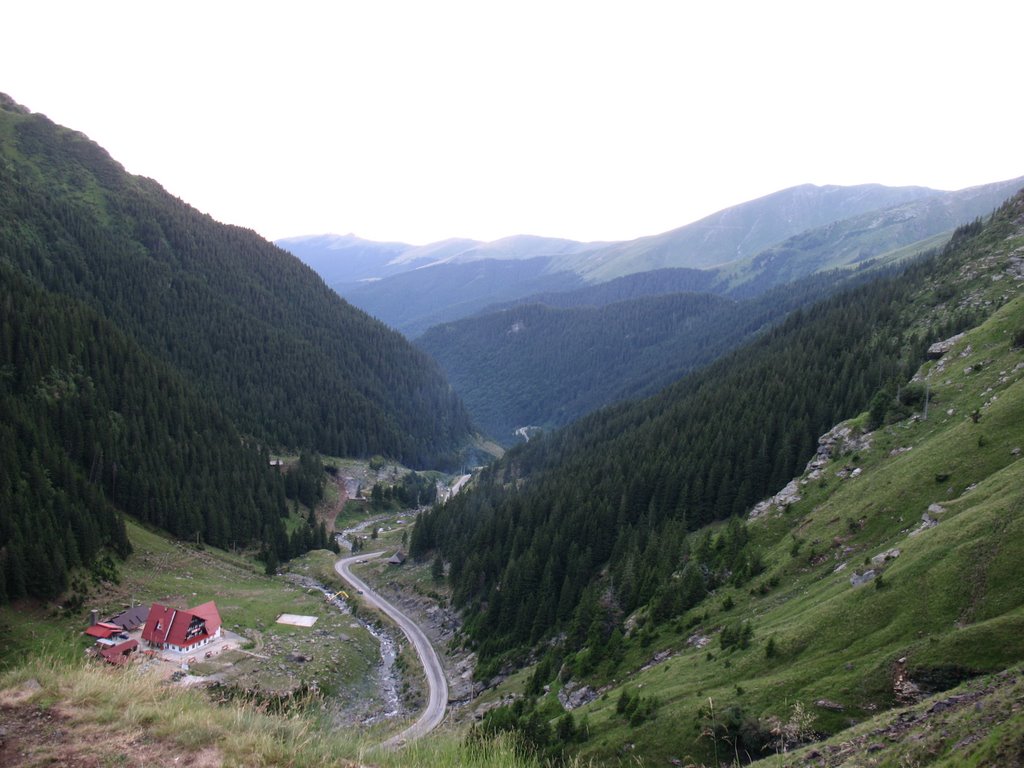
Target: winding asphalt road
point(436, 682)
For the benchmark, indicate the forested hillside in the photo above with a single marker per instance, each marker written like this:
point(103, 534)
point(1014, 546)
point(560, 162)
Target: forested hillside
point(283, 356)
point(91, 426)
point(546, 366)
point(149, 360)
point(581, 528)
point(538, 366)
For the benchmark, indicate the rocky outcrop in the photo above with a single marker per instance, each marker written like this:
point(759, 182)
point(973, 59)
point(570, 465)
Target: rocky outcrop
point(838, 441)
point(831, 706)
point(573, 696)
point(903, 688)
point(779, 502)
point(882, 557)
point(939, 348)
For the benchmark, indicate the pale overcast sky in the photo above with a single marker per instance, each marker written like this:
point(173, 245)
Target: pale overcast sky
point(417, 121)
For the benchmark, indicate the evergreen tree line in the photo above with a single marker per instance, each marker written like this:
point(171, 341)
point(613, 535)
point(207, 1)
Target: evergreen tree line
point(92, 426)
point(603, 512)
point(305, 480)
point(411, 490)
point(284, 357)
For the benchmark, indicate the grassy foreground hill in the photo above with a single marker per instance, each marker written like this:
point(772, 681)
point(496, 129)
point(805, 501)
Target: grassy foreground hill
point(903, 547)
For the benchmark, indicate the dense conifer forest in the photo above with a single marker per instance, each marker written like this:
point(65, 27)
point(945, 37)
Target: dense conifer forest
point(574, 531)
point(91, 427)
point(286, 359)
point(150, 358)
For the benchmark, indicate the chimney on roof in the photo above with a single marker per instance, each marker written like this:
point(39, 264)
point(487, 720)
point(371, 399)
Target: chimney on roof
point(94, 617)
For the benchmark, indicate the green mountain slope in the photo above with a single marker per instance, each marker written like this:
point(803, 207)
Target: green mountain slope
point(538, 366)
point(283, 356)
point(721, 629)
point(928, 513)
point(546, 366)
point(90, 427)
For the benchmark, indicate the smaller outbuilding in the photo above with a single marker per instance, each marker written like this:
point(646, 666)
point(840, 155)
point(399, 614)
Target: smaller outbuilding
point(120, 653)
point(131, 619)
point(103, 630)
point(397, 559)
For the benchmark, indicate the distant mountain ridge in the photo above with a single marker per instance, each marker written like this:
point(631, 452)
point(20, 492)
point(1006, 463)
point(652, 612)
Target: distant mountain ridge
point(343, 260)
point(748, 248)
point(743, 230)
point(732, 234)
point(877, 234)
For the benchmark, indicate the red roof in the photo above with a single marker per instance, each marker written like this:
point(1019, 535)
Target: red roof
point(209, 613)
point(119, 653)
point(171, 626)
point(102, 630)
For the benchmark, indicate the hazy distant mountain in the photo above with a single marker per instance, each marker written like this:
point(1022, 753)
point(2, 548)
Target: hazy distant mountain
point(413, 301)
point(745, 250)
point(345, 259)
point(871, 235)
point(527, 247)
point(741, 231)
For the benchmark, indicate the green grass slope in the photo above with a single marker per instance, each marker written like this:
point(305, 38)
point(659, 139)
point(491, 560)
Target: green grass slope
point(950, 603)
point(889, 569)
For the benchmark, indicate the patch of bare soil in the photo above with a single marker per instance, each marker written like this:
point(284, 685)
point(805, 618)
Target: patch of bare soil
point(32, 735)
point(328, 513)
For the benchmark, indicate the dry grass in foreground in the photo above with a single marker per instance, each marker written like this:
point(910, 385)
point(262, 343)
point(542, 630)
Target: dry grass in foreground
point(60, 713)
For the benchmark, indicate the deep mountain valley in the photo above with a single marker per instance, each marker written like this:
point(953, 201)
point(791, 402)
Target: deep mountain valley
point(543, 366)
point(775, 512)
